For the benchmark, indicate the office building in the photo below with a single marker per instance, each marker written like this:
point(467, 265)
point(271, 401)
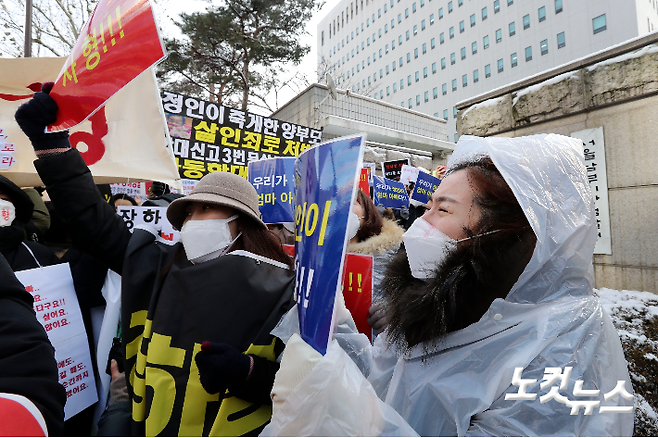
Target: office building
point(427, 55)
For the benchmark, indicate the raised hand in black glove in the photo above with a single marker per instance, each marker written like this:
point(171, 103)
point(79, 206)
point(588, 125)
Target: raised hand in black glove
point(33, 117)
point(222, 367)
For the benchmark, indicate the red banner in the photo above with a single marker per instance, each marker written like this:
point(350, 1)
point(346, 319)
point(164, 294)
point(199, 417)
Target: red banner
point(364, 181)
point(357, 287)
point(118, 43)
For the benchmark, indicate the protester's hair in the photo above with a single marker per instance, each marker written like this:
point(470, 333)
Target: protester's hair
point(126, 197)
point(480, 270)
point(262, 241)
point(373, 221)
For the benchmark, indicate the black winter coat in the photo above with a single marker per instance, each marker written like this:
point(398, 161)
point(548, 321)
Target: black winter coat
point(170, 306)
point(27, 359)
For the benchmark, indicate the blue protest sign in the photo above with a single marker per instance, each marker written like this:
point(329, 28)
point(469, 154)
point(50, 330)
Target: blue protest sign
point(327, 180)
point(425, 186)
point(389, 193)
point(274, 181)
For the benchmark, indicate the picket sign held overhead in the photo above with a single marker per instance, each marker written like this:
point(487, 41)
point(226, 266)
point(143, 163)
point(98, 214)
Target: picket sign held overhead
point(274, 181)
point(389, 193)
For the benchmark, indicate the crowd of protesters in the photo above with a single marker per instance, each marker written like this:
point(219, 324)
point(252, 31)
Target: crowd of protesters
point(492, 275)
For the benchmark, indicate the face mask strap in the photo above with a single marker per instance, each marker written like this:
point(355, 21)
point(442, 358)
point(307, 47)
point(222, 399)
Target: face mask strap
point(225, 250)
point(478, 235)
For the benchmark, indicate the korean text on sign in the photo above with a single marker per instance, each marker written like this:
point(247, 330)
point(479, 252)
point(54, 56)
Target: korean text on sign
point(389, 193)
point(393, 169)
point(274, 181)
point(155, 217)
point(425, 187)
point(208, 137)
point(118, 43)
point(326, 178)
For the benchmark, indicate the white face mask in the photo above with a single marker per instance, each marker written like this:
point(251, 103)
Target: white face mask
point(7, 213)
point(353, 225)
point(207, 239)
point(427, 247)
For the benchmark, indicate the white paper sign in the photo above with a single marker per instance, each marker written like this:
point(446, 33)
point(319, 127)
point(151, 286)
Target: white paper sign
point(57, 309)
point(188, 186)
point(409, 174)
point(594, 151)
point(133, 189)
point(155, 217)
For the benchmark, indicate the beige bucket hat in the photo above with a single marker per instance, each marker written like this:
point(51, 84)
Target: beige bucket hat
point(221, 188)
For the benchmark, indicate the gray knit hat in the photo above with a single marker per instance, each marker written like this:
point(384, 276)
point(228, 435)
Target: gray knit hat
point(220, 188)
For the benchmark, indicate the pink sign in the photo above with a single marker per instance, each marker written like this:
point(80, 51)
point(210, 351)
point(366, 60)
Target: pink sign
point(117, 44)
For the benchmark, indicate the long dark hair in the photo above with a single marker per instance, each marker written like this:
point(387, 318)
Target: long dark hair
point(480, 270)
point(259, 240)
point(373, 221)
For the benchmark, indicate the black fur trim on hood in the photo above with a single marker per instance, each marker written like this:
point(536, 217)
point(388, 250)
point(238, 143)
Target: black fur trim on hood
point(19, 198)
point(459, 292)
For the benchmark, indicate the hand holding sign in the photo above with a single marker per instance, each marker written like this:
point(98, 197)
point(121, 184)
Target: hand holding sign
point(103, 59)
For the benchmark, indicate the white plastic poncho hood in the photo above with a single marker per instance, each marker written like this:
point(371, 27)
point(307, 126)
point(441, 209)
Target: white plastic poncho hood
point(549, 319)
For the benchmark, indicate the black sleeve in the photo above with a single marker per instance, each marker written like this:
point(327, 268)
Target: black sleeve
point(258, 386)
point(27, 359)
point(116, 420)
point(92, 224)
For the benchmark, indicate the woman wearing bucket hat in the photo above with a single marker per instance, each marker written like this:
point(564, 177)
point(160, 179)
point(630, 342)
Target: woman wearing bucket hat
point(196, 316)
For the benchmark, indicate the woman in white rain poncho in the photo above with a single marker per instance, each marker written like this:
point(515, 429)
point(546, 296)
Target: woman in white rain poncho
point(461, 383)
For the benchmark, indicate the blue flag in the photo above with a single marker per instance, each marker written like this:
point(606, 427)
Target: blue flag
point(327, 180)
point(389, 193)
point(274, 180)
point(425, 187)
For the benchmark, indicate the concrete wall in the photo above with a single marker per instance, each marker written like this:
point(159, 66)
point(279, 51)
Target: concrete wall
point(621, 95)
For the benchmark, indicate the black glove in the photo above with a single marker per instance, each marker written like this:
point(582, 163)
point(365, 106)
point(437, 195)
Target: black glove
point(33, 117)
point(222, 367)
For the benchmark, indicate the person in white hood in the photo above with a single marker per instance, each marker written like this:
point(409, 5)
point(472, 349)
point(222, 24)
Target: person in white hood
point(494, 327)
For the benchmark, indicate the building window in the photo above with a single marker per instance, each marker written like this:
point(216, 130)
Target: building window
point(433, 43)
point(408, 57)
point(422, 25)
point(394, 65)
point(496, 6)
point(435, 93)
point(544, 47)
point(500, 65)
point(484, 13)
point(399, 18)
point(449, 7)
point(400, 39)
point(476, 76)
point(460, 2)
point(440, 13)
point(401, 84)
point(409, 80)
point(444, 89)
point(542, 13)
point(558, 6)
point(472, 20)
point(454, 85)
point(416, 53)
point(379, 13)
point(560, 40)
point(387, 69)
point(513, 59)
point(388, 91)
point(417, 99)
point(422, 3)
point(456, 135)
point(474, 47)
point(424, 72)
point(417, 76)
point(413, 7)
point(454, 116)
point(485, 42)
point(461, 26)
point(443, 63)
point(392, 44)
point(386, 28)
point(526, 21)
point(395, 87)
point(499, 35)
point(400, 61)
point(406, 13)
point(451, 32)
point(464, 80)
point(599, 24)
point(407, 35)
point(452, 58)
point(424, 48)
point(528, 53)
point(463, 53)
point(416, 29)
point(510, 2)
point(431, 19)
point(512, 28)
point(487, 70)
point(426, 96)
point(433, 67)
point(445, 114)
point(441, 38)
point(410, 103)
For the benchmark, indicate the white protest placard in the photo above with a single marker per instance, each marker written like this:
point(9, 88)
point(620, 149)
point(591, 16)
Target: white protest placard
point(409, 174)
point(594, 152)
point(57, 309)
point(132, 189)
point(155, 217)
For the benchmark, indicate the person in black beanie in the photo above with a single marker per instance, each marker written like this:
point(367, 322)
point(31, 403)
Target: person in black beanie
point(228, 282)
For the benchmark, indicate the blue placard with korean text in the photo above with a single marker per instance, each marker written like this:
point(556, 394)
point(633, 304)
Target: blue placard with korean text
point(389, 193)
point(326, 179)
point(274, 181)
point(426, 185)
